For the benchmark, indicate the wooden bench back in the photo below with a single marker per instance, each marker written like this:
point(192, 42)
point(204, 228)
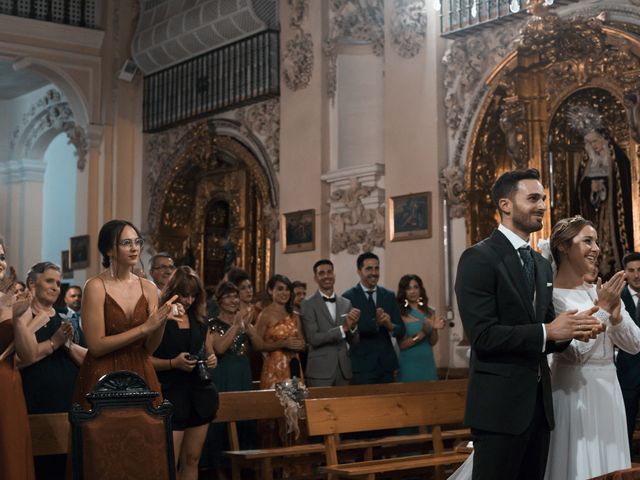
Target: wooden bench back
point(263, 404)
point(49, 433)
point(327, 416)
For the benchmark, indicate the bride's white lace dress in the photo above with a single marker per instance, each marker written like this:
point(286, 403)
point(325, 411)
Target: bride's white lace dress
point(590, 436)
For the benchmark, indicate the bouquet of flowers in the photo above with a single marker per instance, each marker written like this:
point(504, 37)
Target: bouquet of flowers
point(291, 394)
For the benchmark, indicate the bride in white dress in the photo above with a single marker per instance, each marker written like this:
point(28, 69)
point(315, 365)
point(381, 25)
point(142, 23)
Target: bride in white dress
point(590, 436)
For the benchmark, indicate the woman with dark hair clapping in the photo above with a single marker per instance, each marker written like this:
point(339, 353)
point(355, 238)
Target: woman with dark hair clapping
point(416, 353)
point(121, 319)
point(182, 361)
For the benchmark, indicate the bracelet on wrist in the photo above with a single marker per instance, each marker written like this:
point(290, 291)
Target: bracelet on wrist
point(53, 346)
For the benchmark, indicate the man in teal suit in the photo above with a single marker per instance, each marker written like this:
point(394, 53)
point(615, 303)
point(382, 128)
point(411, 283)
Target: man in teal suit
point(373, 359)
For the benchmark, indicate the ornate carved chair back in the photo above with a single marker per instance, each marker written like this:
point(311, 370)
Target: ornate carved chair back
point(123, 435)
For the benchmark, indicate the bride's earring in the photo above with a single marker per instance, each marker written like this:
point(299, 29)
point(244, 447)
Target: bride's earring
point(112, 270)
point(420, 302)
point(406, 303)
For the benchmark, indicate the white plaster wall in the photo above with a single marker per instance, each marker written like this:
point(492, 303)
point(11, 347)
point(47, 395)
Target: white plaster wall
point(59, 198)
point(359, 99)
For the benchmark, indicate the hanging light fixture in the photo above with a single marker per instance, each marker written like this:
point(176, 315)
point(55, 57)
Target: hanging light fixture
point(437, 5)
point(474, 9)
point(514, 6)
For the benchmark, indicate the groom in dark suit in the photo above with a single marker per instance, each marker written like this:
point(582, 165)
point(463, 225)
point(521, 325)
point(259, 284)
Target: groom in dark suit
point(504, 291)
point(373, 359)
point(330, 326)
point(628, 365)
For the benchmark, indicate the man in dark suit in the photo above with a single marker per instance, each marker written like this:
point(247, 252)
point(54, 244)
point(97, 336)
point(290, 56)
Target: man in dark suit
point(373, 359)
point(504, 292)
point(330, 325)
point(628, 365)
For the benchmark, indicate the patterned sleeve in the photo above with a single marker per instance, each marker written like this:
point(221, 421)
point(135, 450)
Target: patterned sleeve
point(216, 326)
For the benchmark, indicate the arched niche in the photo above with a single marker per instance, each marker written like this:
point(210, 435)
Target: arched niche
point(553, 61)
point(210, 168)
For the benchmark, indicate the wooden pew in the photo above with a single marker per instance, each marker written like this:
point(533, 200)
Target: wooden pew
point(49, 433)
point(331, 417)
point(263, 405)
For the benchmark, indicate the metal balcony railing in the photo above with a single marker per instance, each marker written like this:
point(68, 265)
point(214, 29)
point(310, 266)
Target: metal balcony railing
point(80, 13)
point(458, 16)
point(243, 72)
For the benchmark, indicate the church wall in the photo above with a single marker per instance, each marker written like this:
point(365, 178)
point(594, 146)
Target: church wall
point(414, 152)
point(304, 155)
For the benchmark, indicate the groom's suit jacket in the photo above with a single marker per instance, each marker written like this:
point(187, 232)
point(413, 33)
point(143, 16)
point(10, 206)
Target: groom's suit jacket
point(504, 328)
point(628, 365)
point(327, 347)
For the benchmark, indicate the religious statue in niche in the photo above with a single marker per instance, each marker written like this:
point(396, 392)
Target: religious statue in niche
point(602, 190)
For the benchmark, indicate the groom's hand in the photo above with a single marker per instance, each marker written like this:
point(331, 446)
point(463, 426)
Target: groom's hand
point(573, 324)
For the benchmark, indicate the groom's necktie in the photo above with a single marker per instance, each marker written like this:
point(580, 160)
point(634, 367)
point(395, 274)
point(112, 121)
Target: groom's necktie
point(529, 268)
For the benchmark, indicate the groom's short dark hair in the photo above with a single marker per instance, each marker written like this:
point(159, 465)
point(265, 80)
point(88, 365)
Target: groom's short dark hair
point(630, 257)
point(507, 183)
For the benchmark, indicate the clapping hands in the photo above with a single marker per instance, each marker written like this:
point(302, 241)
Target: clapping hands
point(383, 319)
point(609, 295)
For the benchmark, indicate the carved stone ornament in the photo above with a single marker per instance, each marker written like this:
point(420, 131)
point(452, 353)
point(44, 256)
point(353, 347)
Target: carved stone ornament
point(51, 97)
point(297, 61)
point(263, 120)
point(78, 138)
point(408, 27)
point(352, 22)
point(452, 180)
point(356, 228)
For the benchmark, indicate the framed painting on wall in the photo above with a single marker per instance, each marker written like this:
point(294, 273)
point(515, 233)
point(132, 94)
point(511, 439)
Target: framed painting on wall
point(299, 231)
point(64, 264)
point(410, 216)
point(79, 252)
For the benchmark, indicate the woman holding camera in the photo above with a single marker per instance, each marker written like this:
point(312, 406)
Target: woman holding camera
point(182, 361)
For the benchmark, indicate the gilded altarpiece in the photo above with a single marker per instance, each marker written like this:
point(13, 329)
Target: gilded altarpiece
point(563, 74)
point(214, 210)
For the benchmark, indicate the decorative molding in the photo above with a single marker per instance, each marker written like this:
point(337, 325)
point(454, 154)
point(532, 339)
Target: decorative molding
point(297, 61)
point(171, 32)
point(79, 139)
point(357, 209)
point(48, 116)
point(50, 98)
point(352, 22)
point(22, 171)
point(408, 27)
point(452, 180)
point(263, 121)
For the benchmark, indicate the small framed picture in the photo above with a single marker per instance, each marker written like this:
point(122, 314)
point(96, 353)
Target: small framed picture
point(410, 216)
point(64, 264)
point(299, 231)
point(79, 252)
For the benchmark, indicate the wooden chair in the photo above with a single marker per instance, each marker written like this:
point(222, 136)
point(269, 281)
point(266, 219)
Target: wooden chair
point(123, 435)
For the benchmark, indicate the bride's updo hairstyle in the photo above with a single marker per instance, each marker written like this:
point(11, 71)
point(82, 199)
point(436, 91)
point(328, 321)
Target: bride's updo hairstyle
point(563, 233)
point(109, 236)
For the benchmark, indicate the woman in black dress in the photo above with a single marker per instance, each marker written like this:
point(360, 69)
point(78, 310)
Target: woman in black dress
point(181, 360)
point(49, 372)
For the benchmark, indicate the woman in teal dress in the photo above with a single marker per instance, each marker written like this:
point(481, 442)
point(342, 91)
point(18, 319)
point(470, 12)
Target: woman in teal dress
point(422, 325)
point(233, 336)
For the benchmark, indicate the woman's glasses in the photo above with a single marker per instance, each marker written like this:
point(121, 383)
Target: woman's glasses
point(128, 242)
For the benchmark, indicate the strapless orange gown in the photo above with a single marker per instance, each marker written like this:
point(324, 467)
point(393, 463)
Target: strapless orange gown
point(133, 357)
point(276, 365)
point(16, 458)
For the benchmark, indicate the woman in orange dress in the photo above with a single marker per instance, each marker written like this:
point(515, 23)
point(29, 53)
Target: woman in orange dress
point(16, 459)
point(279, 324)
point(121, 320)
